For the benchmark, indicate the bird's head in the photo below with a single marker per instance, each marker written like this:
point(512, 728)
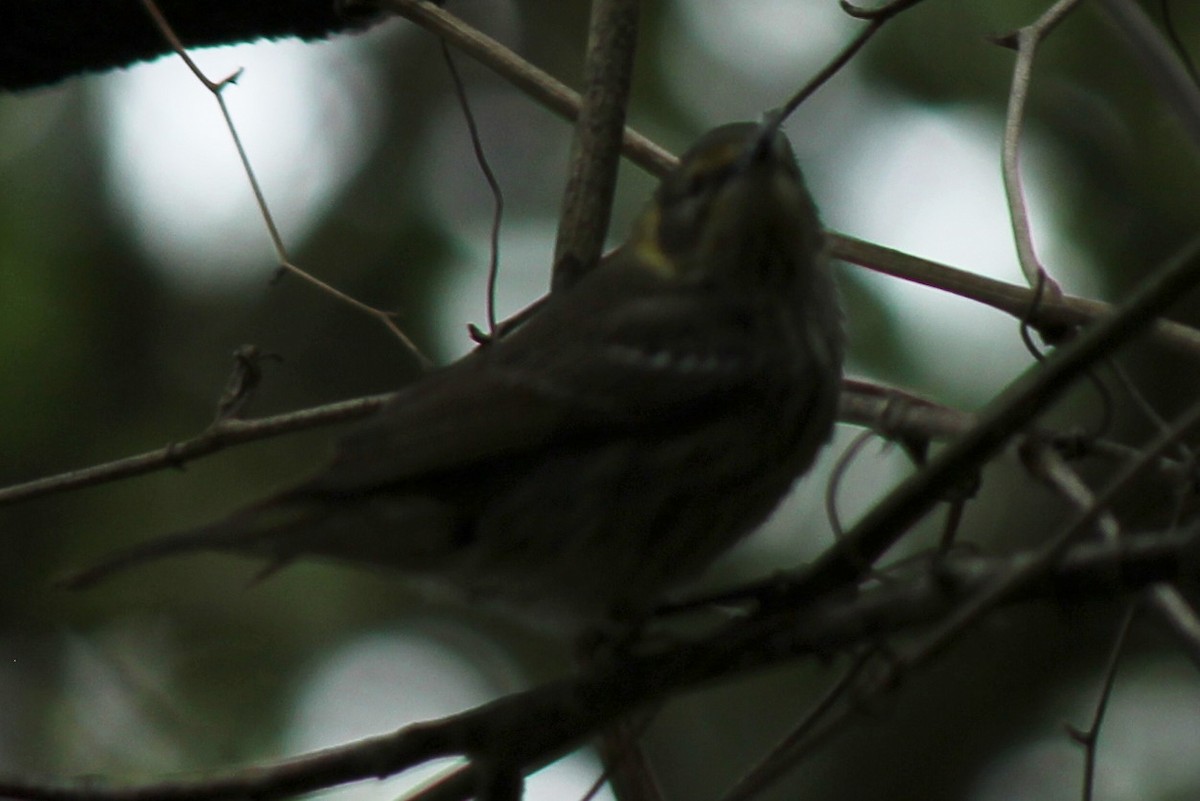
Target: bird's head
point(735, 210)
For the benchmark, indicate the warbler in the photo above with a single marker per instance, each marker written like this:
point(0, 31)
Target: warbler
point(646, 419)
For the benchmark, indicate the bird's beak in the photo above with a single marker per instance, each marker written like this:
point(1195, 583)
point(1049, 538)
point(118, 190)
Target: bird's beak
point(766, 146)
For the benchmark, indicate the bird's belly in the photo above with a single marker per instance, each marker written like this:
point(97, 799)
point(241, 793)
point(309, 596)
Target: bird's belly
point(604, 530)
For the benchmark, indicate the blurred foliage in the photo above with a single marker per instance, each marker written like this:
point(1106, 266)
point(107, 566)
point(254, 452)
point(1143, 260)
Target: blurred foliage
point(104, 358)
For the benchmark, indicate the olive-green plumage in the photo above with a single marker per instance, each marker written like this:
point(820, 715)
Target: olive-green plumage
point(641, 423)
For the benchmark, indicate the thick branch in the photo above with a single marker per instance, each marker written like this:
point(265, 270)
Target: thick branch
point(220, 435)
point(1015, 408)
point(529, 729)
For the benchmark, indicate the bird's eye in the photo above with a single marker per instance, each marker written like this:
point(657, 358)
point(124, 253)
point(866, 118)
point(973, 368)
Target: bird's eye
point(703, 182)
point(697, 184)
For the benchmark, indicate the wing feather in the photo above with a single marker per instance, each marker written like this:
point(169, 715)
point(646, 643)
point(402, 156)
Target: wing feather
point(584, 366)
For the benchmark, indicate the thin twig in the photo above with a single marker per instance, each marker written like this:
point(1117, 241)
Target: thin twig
point(1185, 453)
point(888, 9)
point(888, 411)
point(876, 18)
point(281, 255)
point(539, 85)
point(460, 91)
point(1090, 738)
point(1026, 41)
point(834, 66)
point(1009, 298)
point(837, 475)
point(1048, 466)
point(781, 758)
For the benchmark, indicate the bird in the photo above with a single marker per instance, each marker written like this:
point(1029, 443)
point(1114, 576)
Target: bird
point(579, 468)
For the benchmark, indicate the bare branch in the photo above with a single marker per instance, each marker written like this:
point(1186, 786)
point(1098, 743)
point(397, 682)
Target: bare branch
point(1180, 616)
point(892, 413)
point(876, 18)
point(222, 434)
point(1163, 69)
point(1013, 409)
point(284, 261)
point(1049, 553)
point(1026, 41)
point(596, 150)
point(549, 92)
point(782, 758)
point(1090, 737)
point(539, 85)
point(1047, 465)
point(493, 274)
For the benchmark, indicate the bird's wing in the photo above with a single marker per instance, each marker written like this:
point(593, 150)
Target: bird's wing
point(450, 420)
point(571, 371)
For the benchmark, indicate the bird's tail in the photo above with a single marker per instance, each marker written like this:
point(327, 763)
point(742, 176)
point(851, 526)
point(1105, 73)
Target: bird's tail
point(248, 532)
point(412, 533)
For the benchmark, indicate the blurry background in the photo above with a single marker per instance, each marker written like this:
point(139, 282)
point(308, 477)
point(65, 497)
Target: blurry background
point(133, 262)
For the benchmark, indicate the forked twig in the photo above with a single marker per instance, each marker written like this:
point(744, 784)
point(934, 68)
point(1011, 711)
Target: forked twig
point(532, 728)
point(1009, 298)
point(862, 403)
point(493, 274)
point(1089, 738)
point(876, 18)
point(217, 89)
point(220, 435)
point(1026, 41)
point(536, 83)
point(1180, 616)
point(551, 93)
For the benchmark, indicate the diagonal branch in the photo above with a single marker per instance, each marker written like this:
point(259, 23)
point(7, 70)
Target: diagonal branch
point(1026, 41)
point(527, 730)
point(217, 90)
point(536, 83)
point(1009, 298)
point(1011, 411)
